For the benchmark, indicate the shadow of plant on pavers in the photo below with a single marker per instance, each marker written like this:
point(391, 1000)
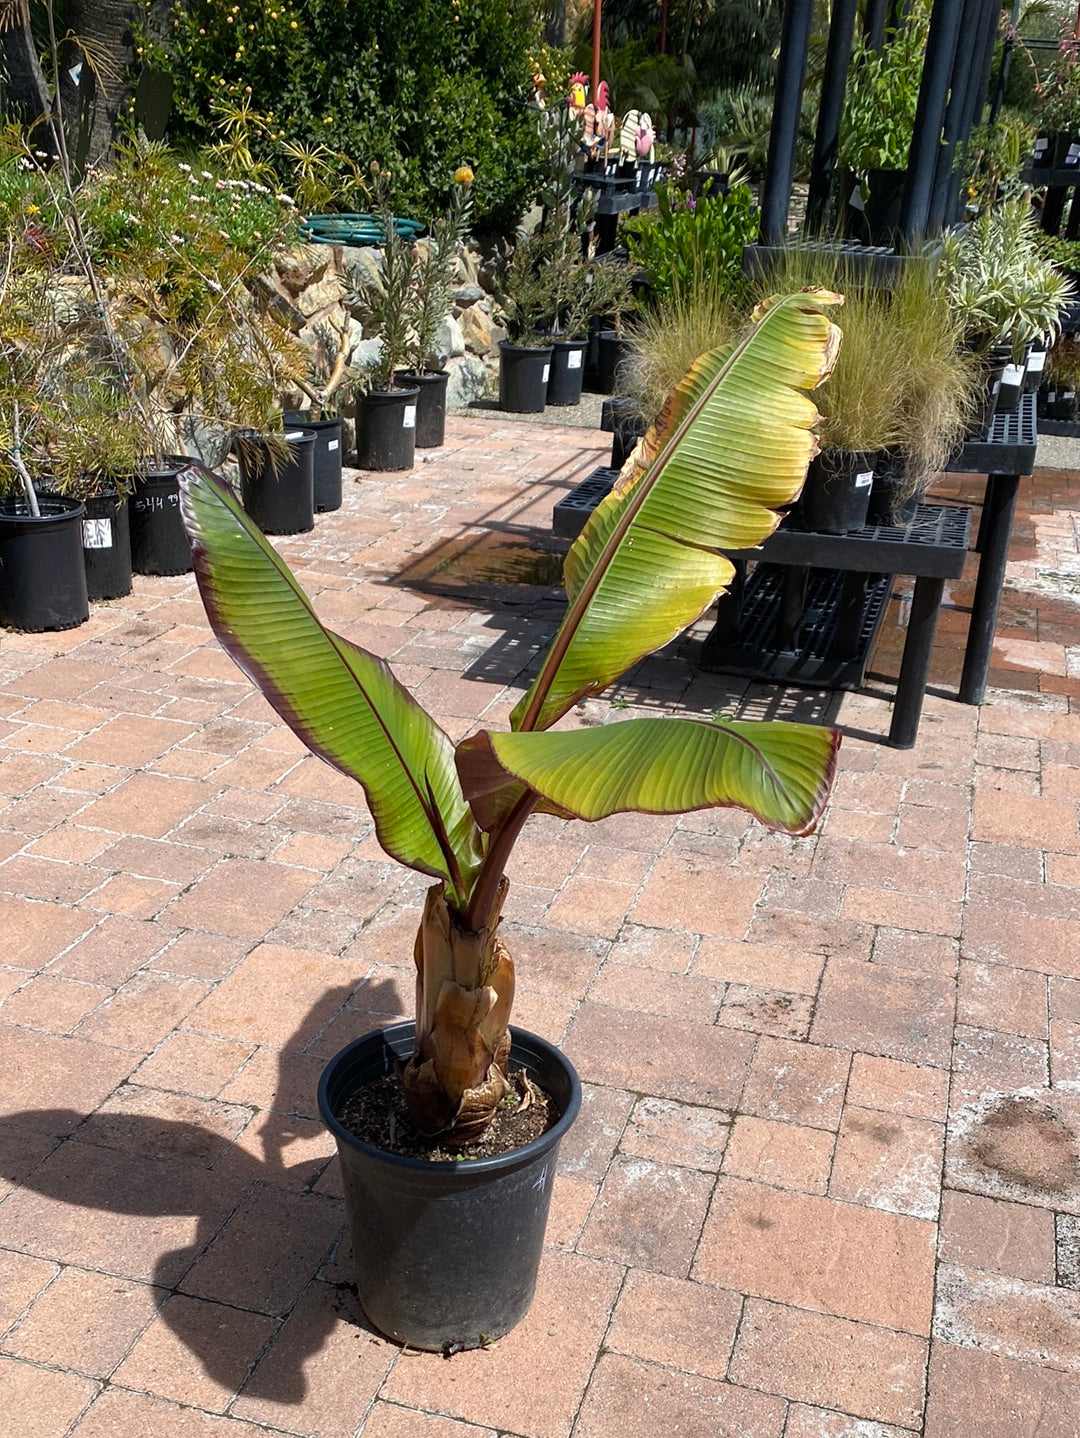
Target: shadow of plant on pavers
point(265, 1231)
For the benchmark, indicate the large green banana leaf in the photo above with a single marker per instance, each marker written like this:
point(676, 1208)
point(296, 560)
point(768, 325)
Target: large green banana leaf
point(732, 442)
point(341, 701)
point(780, 772)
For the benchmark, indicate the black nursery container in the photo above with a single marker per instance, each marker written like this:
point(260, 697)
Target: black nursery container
point(279, 493)
point(327, 457)
point(42, 576)
point(159, 543)
point(106, 542)
point(524, 371)
point(612, 349)
point(430, 406)
point(567, 372)
point(836, 496)
point(386, 428)
point(446, 1254)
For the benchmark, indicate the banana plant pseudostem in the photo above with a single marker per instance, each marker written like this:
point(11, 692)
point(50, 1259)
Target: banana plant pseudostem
point(732, 442)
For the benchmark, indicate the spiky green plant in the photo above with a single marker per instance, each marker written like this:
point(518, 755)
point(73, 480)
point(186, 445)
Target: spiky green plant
point(433, 274)
point(999, 281)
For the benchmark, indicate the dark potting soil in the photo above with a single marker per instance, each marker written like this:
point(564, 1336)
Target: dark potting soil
point(378, 1114)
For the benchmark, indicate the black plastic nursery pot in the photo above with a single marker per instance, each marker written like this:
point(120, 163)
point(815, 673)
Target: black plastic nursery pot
point(446, 1254)
point(1066, 152)
point(42, 576)
point(612, 349)
point(430, 406)
point(836, 495)
point(524, 371)
point(567, 372)
point(159, 542)
point(327, 457)
point(1059, 404)
point(1010, 385)
point(1035, 366)
point(106, 542)
point(888, 502)
point(386, 428)
point(279, 493)
point(885, 193)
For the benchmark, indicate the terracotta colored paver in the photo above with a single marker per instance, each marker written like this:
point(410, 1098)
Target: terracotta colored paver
point(871, 1372)
point(826, 1178)
point(819, 1253)
point(637, 1400)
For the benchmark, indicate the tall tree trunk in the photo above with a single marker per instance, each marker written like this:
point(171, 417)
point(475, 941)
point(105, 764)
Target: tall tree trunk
point(24, 91)
point(93, 83)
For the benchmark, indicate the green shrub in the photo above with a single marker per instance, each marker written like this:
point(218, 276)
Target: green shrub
point(421, 86)
point(687, 238)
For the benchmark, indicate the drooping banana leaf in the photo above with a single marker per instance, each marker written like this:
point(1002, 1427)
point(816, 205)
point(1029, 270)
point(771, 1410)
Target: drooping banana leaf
point(341, 701)
point(733, 440)
point(780, 772)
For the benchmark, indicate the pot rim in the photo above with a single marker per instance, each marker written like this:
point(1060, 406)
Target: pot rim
point(63, 507)
point(516, 345)
point(495, 1162)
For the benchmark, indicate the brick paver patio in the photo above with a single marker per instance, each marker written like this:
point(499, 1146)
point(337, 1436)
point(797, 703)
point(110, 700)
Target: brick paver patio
point(826, 1182)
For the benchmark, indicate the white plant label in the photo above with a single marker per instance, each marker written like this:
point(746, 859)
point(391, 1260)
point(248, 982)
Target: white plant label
point(573, 359)
point(294, 435)
point(1014, 374)
point(97, 534)
point(1041, 144)
point(1073, 155)
point(864, 479)
point(547, 371)
point(1036, 360)
point(409, 419)
point(1069, 394)
point(331, 446)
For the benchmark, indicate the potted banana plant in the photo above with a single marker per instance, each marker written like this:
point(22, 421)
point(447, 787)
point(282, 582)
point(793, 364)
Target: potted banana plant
point(448, 1233)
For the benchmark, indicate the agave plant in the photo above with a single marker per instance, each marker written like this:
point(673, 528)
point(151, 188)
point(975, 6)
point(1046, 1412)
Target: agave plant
point(732, 442)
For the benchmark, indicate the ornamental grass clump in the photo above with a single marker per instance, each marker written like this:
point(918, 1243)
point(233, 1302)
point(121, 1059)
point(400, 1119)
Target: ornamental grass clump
point(706, 478)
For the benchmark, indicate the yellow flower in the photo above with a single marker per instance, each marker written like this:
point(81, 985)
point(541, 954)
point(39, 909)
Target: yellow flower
point(463, 175)
point(32, 210)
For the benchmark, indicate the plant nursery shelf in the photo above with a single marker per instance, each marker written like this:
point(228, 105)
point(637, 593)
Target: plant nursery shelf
point(880, 264)
point(1008, 447)
point(1068, 428)
point(830, 645)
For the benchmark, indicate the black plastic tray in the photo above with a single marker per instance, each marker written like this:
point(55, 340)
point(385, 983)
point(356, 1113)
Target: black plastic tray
point(755, 653)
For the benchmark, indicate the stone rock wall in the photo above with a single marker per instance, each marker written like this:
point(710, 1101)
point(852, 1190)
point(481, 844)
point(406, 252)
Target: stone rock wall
point(313, 288)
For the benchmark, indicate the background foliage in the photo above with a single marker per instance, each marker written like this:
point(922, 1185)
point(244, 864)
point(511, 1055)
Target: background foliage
point(421, 86)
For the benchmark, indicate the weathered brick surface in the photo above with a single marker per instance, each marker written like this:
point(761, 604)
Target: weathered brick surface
point(825, 1179)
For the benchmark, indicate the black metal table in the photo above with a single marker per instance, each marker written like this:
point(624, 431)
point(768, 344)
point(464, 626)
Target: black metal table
point(799, 595)
point(1004, 456)
point(828, 599)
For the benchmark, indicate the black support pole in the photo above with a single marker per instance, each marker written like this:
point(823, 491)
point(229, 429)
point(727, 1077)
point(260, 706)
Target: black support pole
point(874, 23)
point(929, 117)
point(954, 135)
point(982, 53)
point(915, 664)
point(986, 60)
point(790, 75)
point(831, 110)
point(1000, 507)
